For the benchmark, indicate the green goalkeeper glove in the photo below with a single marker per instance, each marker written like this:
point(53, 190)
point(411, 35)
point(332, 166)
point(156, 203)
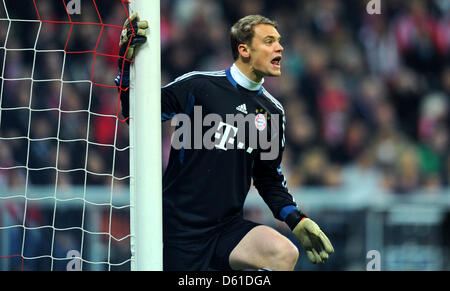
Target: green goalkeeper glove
point(315, 243)
point(132, 36)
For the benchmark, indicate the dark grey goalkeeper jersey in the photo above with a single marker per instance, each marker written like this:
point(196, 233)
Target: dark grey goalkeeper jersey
point(230, 131)
point(204, 187)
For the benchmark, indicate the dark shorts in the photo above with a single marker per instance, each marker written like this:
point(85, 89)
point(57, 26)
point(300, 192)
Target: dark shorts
point(206, 253)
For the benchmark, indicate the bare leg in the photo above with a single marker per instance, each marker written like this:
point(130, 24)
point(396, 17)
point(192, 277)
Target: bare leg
point(264, 247)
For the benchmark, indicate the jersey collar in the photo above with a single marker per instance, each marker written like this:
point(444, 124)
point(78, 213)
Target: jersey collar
point(235, 76)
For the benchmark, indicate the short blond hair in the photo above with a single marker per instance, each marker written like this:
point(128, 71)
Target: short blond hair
point(242, 32)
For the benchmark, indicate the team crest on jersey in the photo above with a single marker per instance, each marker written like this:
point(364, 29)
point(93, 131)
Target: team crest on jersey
point(263, 112)
point(260, 122)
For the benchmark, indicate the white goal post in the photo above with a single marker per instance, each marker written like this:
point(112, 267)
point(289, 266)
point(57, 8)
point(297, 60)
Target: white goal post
point(145, 142)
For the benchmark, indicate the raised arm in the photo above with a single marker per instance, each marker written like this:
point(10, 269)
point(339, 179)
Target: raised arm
point(133, 35)
point(175, 97)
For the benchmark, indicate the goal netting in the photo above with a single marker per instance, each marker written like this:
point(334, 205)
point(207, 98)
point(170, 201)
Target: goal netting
point(64, 149)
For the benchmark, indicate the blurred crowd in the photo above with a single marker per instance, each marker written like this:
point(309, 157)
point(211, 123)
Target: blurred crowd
point(366, 97)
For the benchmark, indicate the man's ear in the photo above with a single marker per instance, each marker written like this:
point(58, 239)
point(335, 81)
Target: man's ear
point(244, 51)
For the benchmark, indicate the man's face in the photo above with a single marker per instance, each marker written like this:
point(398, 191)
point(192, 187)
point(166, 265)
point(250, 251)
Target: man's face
point(265, 51)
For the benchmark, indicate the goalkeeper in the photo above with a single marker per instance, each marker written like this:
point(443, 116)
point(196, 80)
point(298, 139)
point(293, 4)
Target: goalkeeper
point(204, 189)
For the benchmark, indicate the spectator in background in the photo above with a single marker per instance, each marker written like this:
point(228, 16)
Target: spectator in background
point(334, 107)
point(311, 167)
point(361, 179)
point(407, 178)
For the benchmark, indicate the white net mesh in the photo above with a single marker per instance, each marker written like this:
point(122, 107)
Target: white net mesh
point(64, 171)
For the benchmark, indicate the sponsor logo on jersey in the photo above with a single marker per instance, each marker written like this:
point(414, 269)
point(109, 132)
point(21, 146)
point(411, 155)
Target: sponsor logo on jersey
point(211, 131)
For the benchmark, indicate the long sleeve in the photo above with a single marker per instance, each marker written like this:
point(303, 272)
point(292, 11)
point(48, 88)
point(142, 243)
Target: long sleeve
point(123, 85)
point(270, 181)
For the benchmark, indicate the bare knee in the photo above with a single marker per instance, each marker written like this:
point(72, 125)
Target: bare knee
point(264, 247)
point(283, 255)
point(280, 253)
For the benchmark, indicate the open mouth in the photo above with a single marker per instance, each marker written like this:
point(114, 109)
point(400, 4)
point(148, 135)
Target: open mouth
point(276, 61)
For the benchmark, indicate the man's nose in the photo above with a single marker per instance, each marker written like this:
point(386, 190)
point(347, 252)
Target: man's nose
point(279, 48)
